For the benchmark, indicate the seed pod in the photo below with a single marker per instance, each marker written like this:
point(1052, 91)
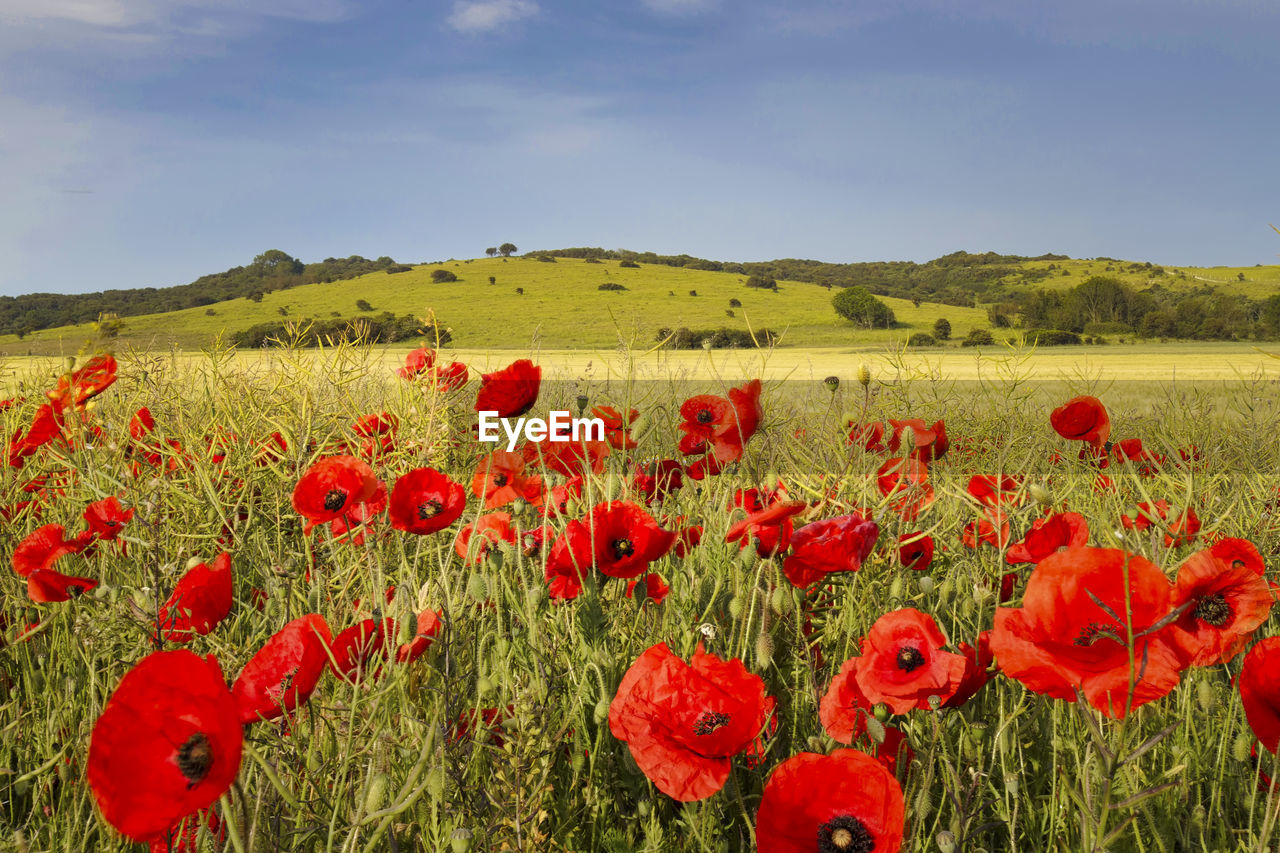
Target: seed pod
point(1240, 747)
point(377, 791)
point(735, 607)
point(895, 589)
point(833, 383)
point(460, 840)
point(1204, 695)
point(946, 842)
point(478, 587)
point(601, 713)
point(780, 600)
point(926, 584)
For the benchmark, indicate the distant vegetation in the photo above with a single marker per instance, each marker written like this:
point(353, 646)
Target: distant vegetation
point(715, 338)
point(270, 271)
point(386, 328)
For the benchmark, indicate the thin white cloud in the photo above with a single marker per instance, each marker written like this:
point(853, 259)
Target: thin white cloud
point(478, 16)
point(681, 7)
point(157, 18)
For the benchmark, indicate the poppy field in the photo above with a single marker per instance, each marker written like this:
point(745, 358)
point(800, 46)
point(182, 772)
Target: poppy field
point(307, 609)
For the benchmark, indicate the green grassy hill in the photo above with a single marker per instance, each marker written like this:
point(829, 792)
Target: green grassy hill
point(561, 307)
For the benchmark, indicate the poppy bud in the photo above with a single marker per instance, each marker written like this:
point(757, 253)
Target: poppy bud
point(484, 687)
point(864, 375)
point(833, 383)
point(735, 607)
point(1240, 747)
point(1011, 783)
point(460, 841)
point(875, 725)
point(764, 650)
point(946, 842)
point(377, 791)
point(926, 584)
point(1041, 494)
point(477, 587)
point(1198, 815)
point(435, 783)
point(1204, 695)
point(781, 600)
point(642, 808)
point(314, 598)
point(601, 712)
point(895, 589)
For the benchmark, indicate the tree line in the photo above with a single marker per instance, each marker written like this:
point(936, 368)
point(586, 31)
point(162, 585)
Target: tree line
point(270, 271)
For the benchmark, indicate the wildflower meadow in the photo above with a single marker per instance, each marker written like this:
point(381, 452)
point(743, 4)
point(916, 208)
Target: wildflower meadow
point(306, 607)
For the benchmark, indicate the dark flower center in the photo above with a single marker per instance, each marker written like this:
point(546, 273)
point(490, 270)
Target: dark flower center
point(195, 757)
point(1095, 631)
point(623, 548)
point(845, 834)
point(500, 480)
point(909, 658)
point(1213, 609)
point(709, 721)
point(334, 500)
point(704, 416)
point(430, 509)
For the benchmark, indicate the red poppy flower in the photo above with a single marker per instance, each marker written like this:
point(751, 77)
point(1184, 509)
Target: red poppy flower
point(355, 648)
point(1180, 531)
point(707, 466)
point(428, 624)
point(1082, 419)
point(416, 362)
point(167, 744)
point(658, 479)
point(450, 377)
point(977, 663)
point(571, 458)
point(46, 426)
point(77, 388)
point(689, 538)
point(332, 487)
point(721, 426)
point(617, 431)
point(284, 672)
point(44, 546)
point(569, 561)
point(425, 501)
point(655, 589)
point(1259, 685)
point(46, 585)
point(837, 544)
point(1066, 635)
point(626, 539)
point(1239, 552)
point(844, 707)
point(379, 433)
point(903, 664)
point(487, 530)
point(915, 551)
point(683, 722)
point(271, 449)
point(844, 801)
point(929, 443)
point(1131, 450)
point(869, 436)
point(500, 479)
point(106, 518)
point(1047, 536)
point(351, 526)
point(1225, 604)
point(201, 599)
point(511, 391)
point(993, 490)
point(770, 527)
point(992, 528)
point(905, 481)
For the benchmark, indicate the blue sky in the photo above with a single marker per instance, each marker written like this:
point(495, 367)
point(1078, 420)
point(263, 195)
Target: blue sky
point(146, 142)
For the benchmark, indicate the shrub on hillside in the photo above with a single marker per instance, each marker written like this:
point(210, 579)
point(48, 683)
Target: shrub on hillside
point(978, 338)
point(439, 276)
point(611, 285)
point(630, 265)
point(715, 338)
point(858, 305)
point(922, 339)
point(763, 282)
point(386, 328)
point(1051, 337)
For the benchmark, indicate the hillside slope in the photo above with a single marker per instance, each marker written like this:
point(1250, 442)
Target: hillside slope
point(561, 307)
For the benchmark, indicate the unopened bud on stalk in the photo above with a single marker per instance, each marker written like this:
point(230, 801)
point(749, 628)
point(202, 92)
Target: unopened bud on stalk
point(926, 584)
point(1041, 494)
point(764, 650)
point(946, 842)
point(735, 607)
point(1240, 747)
point(881, 713)
point(377, 792)
point(460, 840)
point(780, 601)
point(1204, 695)
point(864, 375)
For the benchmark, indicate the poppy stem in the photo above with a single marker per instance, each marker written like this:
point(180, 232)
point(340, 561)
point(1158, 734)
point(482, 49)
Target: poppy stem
point(272, 777)
point(231, 822)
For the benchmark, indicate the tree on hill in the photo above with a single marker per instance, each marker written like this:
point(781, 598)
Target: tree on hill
point(942, 329)
point(857, 304)
point(507, 249)
point(491, 251)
